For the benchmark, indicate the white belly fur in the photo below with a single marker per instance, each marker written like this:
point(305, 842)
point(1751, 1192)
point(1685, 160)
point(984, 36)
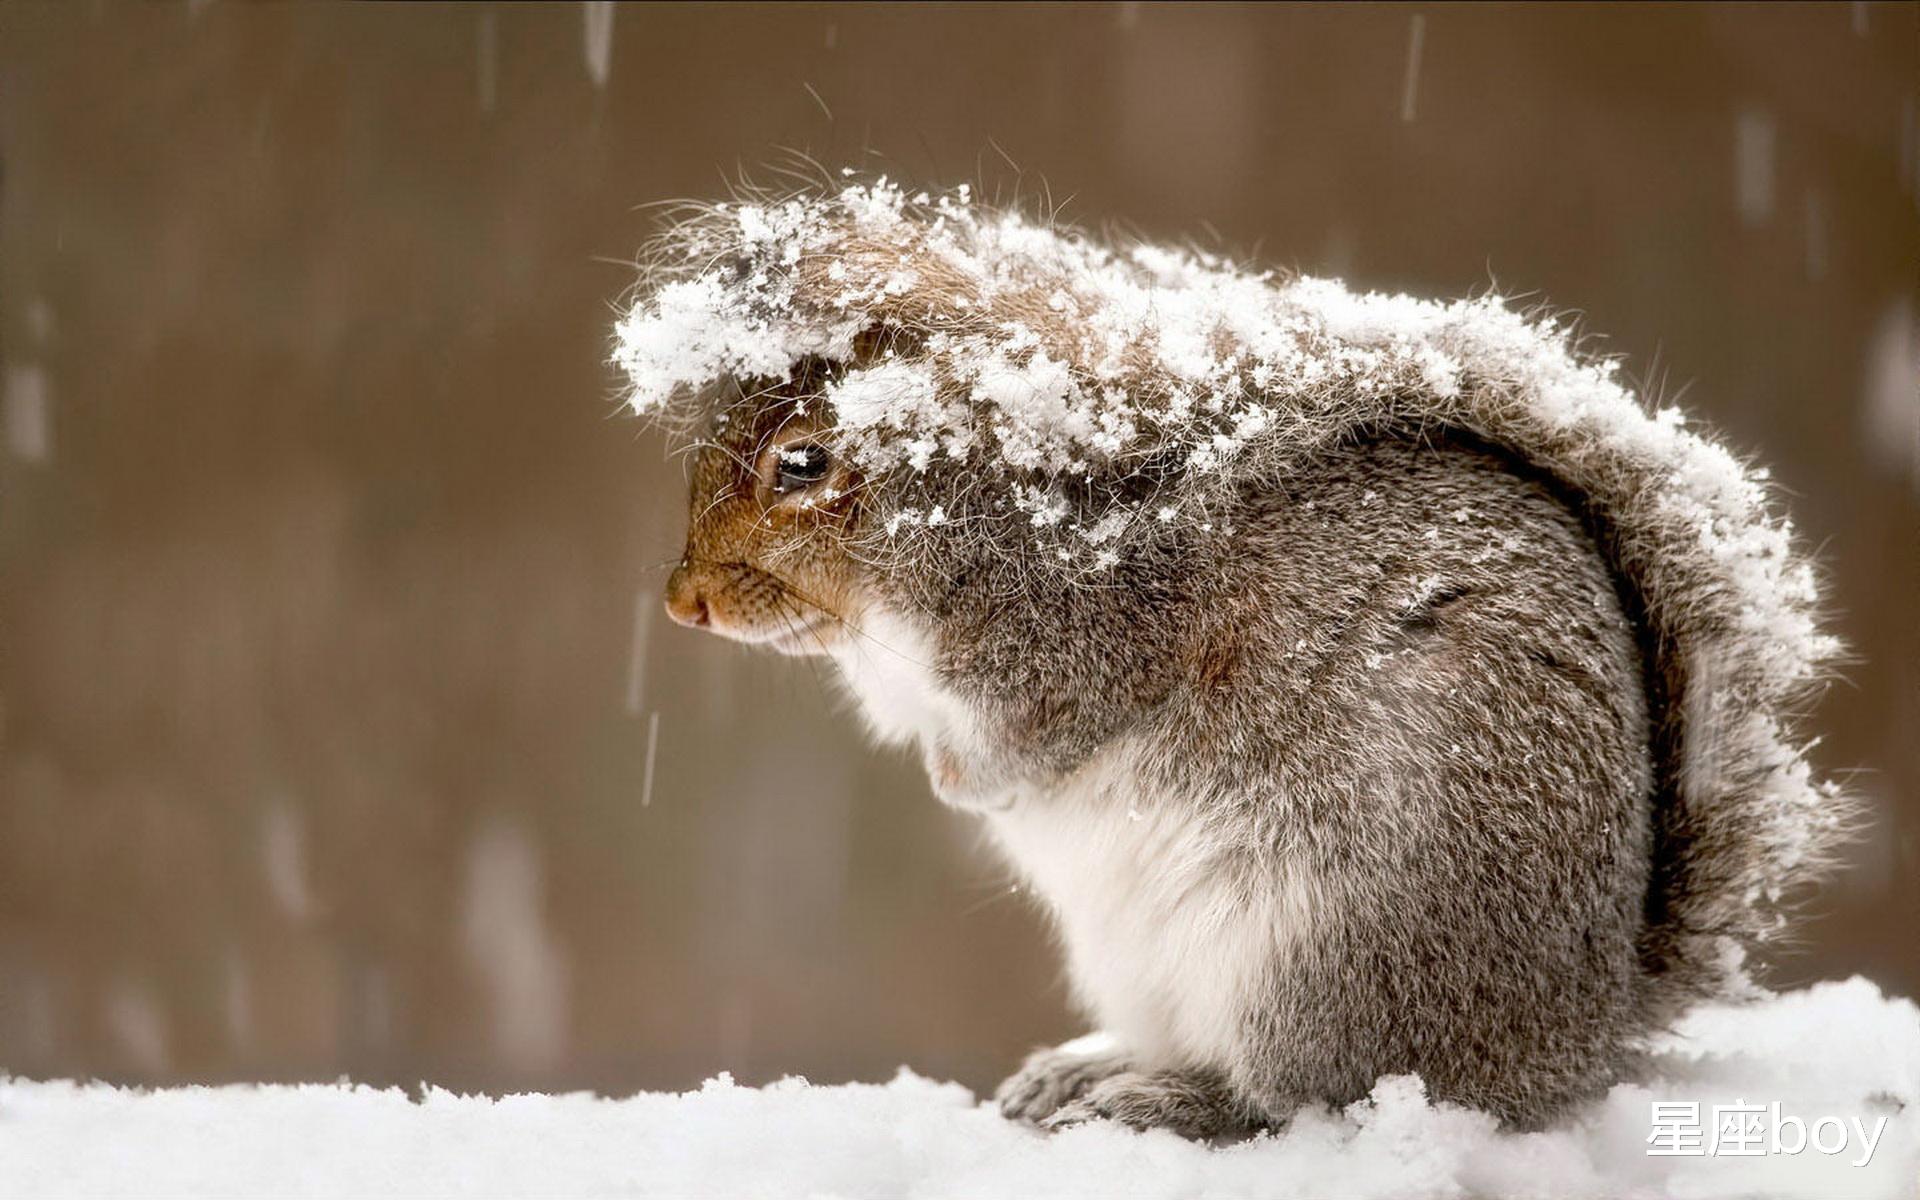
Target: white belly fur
point(1170, 939)
point(1169, 935)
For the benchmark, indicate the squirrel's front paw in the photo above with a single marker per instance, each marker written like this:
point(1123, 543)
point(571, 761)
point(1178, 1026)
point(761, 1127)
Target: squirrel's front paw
point(963, 784)
point(1056, 1076)
point(1191, 1105)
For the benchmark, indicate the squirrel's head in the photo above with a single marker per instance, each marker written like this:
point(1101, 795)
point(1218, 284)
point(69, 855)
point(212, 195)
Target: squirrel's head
point(770, 506)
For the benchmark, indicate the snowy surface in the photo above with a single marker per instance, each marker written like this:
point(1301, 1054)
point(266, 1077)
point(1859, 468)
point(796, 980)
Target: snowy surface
point(1839, 1050)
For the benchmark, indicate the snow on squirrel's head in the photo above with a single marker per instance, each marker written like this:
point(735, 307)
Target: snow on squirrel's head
point(1046, 391)
point(972, 385)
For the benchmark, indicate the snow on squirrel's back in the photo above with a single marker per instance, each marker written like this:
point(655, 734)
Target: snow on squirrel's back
point(1025, 390)
point(1838, 1049)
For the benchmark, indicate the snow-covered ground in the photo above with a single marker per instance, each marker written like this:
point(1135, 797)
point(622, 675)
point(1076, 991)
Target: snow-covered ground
point(1838, 1050)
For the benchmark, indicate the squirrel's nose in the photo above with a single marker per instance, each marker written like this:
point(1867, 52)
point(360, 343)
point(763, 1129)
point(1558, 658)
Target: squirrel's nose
point(686, 603)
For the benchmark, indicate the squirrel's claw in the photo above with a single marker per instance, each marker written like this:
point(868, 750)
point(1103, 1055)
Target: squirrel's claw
point(1191, 1105)
point(1052, 1078)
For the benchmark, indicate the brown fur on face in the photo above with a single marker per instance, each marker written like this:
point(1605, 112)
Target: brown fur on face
point(764, 563)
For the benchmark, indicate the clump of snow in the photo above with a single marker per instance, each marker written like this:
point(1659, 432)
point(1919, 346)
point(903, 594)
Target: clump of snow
point(1836, 1050)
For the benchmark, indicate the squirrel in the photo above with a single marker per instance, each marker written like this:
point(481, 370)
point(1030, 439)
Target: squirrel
point(1364, 685)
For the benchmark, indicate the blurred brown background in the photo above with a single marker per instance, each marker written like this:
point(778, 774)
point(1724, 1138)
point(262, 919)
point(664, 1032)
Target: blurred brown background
point(328, 569)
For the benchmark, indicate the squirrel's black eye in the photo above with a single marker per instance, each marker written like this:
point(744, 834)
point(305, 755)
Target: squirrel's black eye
point(800, 467)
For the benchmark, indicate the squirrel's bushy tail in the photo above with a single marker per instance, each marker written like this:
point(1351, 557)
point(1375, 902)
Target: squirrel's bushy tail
point(1014, 388)
point(1729, 619)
